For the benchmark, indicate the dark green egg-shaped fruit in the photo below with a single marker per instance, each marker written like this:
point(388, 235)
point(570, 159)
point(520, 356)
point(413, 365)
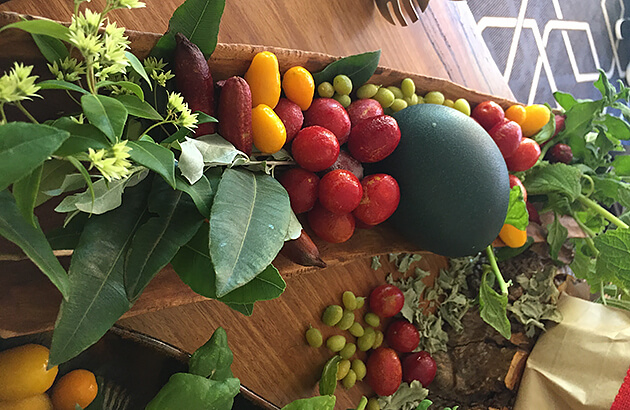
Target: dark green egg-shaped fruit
point(454, 184)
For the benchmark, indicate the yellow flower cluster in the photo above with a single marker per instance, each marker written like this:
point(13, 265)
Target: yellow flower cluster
point(111, 163)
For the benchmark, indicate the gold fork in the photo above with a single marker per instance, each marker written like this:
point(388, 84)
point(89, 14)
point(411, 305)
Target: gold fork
point(400, 8)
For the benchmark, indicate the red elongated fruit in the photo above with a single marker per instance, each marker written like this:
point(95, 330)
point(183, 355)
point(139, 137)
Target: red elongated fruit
point(384, 371)
point(235, 114)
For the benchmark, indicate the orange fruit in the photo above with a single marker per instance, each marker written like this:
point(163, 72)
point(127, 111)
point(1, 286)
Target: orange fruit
point(536, 117)
point(23, 372)
point(77, 387)
point(516, 113)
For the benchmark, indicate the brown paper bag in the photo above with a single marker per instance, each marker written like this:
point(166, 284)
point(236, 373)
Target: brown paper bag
point(580, 363)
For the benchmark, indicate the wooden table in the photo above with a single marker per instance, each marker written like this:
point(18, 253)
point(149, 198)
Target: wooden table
point(271, 356)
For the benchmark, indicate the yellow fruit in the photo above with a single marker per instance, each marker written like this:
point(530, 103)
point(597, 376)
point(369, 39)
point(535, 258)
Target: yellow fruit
point(77, 387)
point(536, 116)
point(39, 402)
point(263, 77)
point(512, 236)
point(23, 372)
point(299, 86)
point(516, 113)
point(267, 129)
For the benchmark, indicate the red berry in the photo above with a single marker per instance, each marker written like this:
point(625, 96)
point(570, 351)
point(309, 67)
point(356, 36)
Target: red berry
point(533, 213)
point(374, 138)
point(561, 153)
point(402, 336)
point(386, 300)
point(331, 227)
point(362, 109)
point(419, 366)
point(291, 115)
point(384, 371)
point(301, 185)
point(340, 191)
point(330, 114)
point(345, 161)
point(525, 156)
point(315, 148)
point(488, 114)
point(381, 196)
point(559, 124)
point(507, 135)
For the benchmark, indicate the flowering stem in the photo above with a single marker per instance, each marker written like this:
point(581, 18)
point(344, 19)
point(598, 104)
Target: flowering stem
point(3, 117)
point(25, 112)
point(157, 124)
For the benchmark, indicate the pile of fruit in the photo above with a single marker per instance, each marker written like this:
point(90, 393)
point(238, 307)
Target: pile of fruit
point(25, 378)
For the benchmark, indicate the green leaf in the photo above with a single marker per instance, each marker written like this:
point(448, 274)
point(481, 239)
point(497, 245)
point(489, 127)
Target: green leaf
point(61, 85)
point(246, 309)
point(555, 178)
point(85, 174)
point(565, 100)
point(613, 260)
point(358, 67)
point(97, 297)
point(137, 66)
point(190, 162)
point(103, 197)
point(82, 137)
point(493, 308)
point(605, 88)
point(201, 193)
point(579, 119)
point(583, 265)
point(24, 147)
point(46, 27)
point(621, 163)
point(328, 381)
point(547, 131)
point(194, 266)
point(312, 403)
point(53, 175)
point(192, 392)
point(179, 135)
point(105, 113)
point(556, 236)
point(203, 118)
point(127, 85)
point(517, 214)
point(214, 359)
point(139, 108)
point(51, 48)
point(248, 223)
point(215, 150)
point(155, 157)
point(25, 192)
point(158, 240)
point(424, 404)
point(32, 241)
point(199, 21)
point(505, 252)
point(617, 127)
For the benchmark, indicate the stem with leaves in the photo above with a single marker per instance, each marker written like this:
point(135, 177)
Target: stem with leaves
point(503, 285)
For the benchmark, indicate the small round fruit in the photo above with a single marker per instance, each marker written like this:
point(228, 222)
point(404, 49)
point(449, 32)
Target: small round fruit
point(381, 196)
point(561, 153)
point(365, 342)
point(345, 161)
point(408, 87)
point(559, 124)
point(367, 91)
point(291, 116)
point(533, 213)
point(315, 148)
point(343, 368)
point(332, 315)
point(537, 116)
point(331, 227)
point(512, 236)
point(330, 114)
point(342, 84)
point(514, 181)
point(525, 156)
point(419, 366)
point(362, 109)
point(348, 351)
point(359, 368)
point(378, 339)
point(373, 404)
point(398, 105)
point(302, 187)
point(267, 129)
point(23, 372)
point(349, 300)
point(402, 336)
point(314, 337)
point(516, 113)
point(434, 97)
point(335, 343)
point(384, 371)
point(462, 105)
point(488, 114)
point(326, 90)
point(373, 139)
point(343, 99)
point(38, 402)
point(360, 302)
point(350, 379)
point(386, 300)
point(372, 319)
point(449, 103)
point(77, 387)
point(299, 86)
point(356, 329)
point(347, 320)
point(340, 191)
point(385, 97)
point(507, 135)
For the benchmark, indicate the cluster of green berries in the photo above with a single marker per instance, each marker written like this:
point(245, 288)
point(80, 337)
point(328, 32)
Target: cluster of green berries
point(340, 89)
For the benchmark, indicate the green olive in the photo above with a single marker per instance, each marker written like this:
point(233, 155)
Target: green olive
point(367, 91)
point(359, 368)
point(349, 300)
point(348, 351)
point(332, 315)
point(356, 329)
point(396, 91)
point(343, 369)
point(372, 319)
point(408, 87)
point(343, 99)
point(462, 105)
point(347, 320)
point(314, 337)
point(366, 341)
point(325, 90)
point(350, 379)
point(342, 84)
point(336, 342)
point(398, 105)
point(434, 97)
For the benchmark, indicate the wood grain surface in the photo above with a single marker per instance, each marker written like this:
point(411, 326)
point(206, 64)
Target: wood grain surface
point(271, 356)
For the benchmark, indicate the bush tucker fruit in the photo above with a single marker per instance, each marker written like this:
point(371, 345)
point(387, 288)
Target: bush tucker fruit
point(525, 156)
point(314, 337)
point(340, 191)
point(365, 342)
point(302, 251)
point(263, 77)
point(345, 161)
point(381, 196)
point(462, 105)
point(267, 129)
point(561, 153)
point(378, 339)
point(386, 300)
point(342, 84)
point(315, 148)
point(402, 336)
point(349, 300)
point(434, 97)
point(325, 90)
point(331, 227)
point(291, 116)
point(374, 138)
point(23, 372)
point(360, 110)
point(419, 366)
point(372, 319)
point(348, 351)
point(235, 114)
point(347, 320)
point(536, 117)
point(356, 330)
point(38, 402)
point(559, 124)
point(488, 114)
point(512, 236)
point(343, 368)
point(335, 343)
point(367, 91)
point(507, 135)
point(194, 80)
point(359, 368)
point(330, 114)
point(350, 379)
point(302, 187)
point(516, 113)
point(299, 86)
point(384, 371)
point(332, 315)
point(77, 387)
point(384, 97)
